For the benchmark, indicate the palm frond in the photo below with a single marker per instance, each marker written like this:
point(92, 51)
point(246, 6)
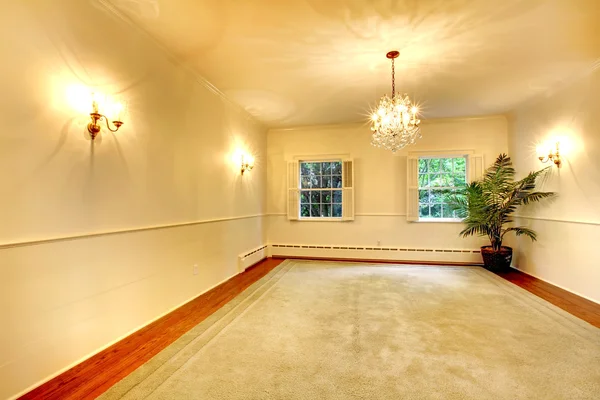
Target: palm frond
point(521, 230)
point(487, 205)
point(536, 196)
point(473, 230)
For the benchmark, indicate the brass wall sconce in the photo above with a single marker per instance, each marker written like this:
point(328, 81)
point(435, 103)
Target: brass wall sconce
point(247, 163)
point(553, 155)
point(94, 127)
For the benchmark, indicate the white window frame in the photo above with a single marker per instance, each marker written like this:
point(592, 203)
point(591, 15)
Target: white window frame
point(474, 170)
point(294, 187)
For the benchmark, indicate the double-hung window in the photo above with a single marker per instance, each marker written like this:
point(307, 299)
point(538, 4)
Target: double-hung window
point(439, 179)
point(434, 178)
point(321, 189)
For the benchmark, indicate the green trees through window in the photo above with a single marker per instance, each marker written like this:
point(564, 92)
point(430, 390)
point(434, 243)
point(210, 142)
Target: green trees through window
point(439, 178)
point(321, 189)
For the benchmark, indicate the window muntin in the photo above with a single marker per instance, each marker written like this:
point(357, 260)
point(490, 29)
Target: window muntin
point(439, 178)
point(320, 189)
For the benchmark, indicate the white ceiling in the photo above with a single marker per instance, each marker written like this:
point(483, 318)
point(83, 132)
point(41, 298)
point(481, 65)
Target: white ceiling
point(305, 62)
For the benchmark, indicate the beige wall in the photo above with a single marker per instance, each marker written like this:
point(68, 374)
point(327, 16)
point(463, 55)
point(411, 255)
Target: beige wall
point(97, 240)
point(380, 181)
point(568, 227)
point(170, 164)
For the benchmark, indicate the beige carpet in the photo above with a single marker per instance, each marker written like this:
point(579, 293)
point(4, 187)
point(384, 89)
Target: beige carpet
point(317, 330)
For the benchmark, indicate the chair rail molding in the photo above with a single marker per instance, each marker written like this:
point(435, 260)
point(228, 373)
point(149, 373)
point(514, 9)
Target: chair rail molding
point(561, 220)
point(124, 231)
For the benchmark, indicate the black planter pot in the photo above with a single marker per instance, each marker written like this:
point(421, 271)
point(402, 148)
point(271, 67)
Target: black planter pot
point(497, 260)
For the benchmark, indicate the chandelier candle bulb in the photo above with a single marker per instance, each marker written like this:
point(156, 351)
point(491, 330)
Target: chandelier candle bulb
point(395, 124)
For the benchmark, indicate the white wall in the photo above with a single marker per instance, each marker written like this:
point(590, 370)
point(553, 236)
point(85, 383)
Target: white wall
point(568, 227)
point(380, 182)
point(169, 165)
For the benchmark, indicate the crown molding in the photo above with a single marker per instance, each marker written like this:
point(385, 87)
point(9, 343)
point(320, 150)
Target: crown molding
point(365, 125)
point(463, 119)
point(586, 71)
point(114, 10)
point(349, 125)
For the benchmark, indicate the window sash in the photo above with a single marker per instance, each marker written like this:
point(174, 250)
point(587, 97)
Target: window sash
point(332, 204)
point(319, 189)
point(435, 188)
point(452, 173)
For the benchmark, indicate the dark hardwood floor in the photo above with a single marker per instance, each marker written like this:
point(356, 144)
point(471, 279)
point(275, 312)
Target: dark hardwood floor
point(578, 306)
point(95, 375)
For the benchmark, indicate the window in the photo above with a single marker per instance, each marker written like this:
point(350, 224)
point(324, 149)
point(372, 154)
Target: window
point(439, 178)
point(320, 189)
point(431, 179)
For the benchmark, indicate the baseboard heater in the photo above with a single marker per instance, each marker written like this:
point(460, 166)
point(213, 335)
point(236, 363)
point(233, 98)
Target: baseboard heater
point(252, 257)
point(472, 256)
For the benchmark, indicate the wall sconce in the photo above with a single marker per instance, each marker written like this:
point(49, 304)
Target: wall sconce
point(94, 126)
point(247, 163)
point(552, 155)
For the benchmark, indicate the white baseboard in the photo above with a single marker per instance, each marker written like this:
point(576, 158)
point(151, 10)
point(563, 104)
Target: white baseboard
point(558, 286)
point(471, 256)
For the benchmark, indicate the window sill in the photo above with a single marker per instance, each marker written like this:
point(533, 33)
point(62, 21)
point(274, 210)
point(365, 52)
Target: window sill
point(442, 220)
point(321, 219)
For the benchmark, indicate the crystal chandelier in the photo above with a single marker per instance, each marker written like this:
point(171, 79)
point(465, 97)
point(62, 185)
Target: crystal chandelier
point(394, 123)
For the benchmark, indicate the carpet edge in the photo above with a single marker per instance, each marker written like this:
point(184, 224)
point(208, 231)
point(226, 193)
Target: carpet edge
point(123, 387)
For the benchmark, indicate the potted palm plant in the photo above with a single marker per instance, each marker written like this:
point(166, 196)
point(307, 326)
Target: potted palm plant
point(487, 205)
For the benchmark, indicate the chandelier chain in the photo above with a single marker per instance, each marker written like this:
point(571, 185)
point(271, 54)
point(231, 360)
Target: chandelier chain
point(393, 79)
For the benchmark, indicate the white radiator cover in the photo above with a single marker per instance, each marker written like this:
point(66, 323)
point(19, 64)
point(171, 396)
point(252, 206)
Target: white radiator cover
point(471, 256)
point(252, 257)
